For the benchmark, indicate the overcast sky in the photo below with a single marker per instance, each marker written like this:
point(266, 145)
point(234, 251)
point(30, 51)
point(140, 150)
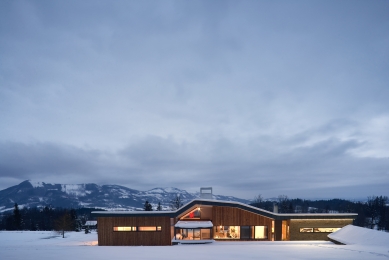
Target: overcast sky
point(249, 97)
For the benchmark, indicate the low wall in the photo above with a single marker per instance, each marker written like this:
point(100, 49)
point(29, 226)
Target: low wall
point(296, 224)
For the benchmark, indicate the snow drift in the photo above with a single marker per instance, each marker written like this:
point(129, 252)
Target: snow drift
point(353, 235)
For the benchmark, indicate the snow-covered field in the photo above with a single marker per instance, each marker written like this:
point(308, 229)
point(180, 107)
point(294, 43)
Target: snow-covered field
point(48, 245)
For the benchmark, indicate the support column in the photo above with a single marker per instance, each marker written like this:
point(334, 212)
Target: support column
point(277, 230)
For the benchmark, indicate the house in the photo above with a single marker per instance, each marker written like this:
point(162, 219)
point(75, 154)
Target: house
point(90, 224)
point(207, 220)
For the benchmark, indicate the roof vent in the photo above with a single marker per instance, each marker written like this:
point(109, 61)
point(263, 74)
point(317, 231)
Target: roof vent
point(206, 193)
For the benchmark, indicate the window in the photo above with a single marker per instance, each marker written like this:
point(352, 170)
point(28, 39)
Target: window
point(149, 228)
point(245, 232)
point(227, 232)
point(260, 232)
point(240, 232)
point(124, 228)
point(318, 230)
point(152, 228)
point(306, 230)
point(325, 230)
point(194, 214)
point(193, 234)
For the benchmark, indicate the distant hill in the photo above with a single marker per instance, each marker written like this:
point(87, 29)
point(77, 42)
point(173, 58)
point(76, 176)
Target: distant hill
point(41, 194)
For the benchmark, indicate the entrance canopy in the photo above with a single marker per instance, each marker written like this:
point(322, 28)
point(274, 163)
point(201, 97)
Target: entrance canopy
point(194, 224)
point(192, 232)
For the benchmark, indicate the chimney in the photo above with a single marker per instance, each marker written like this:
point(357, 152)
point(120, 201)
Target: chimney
point(275, 208)
point(206, 193)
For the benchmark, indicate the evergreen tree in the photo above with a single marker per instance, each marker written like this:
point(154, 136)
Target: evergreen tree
point(290, 209)
point(159, 207)
point(283, 206)
point(17, 217)
point(148, 206)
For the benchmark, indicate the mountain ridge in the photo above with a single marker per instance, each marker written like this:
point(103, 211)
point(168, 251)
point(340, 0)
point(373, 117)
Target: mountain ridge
point(111, 197)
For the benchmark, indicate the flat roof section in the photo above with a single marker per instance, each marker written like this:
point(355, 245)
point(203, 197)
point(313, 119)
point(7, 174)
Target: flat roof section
point(194, 224)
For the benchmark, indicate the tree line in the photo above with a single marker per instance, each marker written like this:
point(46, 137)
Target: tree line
point(46, 219)
point(374, 213)
point(174, 204)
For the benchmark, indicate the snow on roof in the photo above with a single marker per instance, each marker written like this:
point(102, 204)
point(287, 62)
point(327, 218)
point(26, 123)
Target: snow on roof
point(91, 223)
point(350, 235)
point(230, 202)
point(194, 224)
point(134, 212)
point(272, 213)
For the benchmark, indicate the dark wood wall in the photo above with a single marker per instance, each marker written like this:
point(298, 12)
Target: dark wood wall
point(107, 237)
point(229, 216)
point(296, 224)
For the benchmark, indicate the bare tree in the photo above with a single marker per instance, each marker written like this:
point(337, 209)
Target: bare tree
point(176, 203)
point(64, 223)
point(258, 199)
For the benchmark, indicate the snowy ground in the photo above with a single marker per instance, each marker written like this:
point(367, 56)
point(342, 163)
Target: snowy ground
point(48, 245)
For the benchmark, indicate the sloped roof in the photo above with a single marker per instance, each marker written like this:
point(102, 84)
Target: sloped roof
point(204, 202)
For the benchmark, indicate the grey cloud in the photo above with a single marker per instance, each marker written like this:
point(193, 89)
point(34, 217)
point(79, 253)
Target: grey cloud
point(220, 163)
point(244, 96)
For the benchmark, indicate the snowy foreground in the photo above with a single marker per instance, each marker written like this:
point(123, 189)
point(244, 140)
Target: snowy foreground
point(48, 245)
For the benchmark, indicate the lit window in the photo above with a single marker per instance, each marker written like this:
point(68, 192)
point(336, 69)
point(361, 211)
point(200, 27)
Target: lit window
point(159, 228)
point(147, 228)
point(318, 230)
point(194, 214)
point(226, 232)
point(325, 230)
point(260, 232)
point(124, 228)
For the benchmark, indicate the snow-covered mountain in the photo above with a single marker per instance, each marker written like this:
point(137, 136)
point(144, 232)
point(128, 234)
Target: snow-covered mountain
point(40, 194)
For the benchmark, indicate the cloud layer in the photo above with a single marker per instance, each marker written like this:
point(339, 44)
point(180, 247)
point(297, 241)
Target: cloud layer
point(248, 97)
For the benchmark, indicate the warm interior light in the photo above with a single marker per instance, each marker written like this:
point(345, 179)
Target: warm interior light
point(147, 228)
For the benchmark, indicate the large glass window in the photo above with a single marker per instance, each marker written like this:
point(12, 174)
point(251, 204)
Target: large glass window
point(245, 232)
point(227, 232)
point(205, 234)
point(260, 232)
point(193, 234)
point(240, 232)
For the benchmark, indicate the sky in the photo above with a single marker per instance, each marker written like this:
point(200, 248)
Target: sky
point(249, 97)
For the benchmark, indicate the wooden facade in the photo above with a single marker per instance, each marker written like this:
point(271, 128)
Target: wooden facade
point(230, 216)
point(296, 224)
point(279, 226)
point(108, 237)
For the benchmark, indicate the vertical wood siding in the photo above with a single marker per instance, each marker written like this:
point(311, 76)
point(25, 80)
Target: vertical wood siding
point(107, 237)
point(229, 216)
point(296, 224)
